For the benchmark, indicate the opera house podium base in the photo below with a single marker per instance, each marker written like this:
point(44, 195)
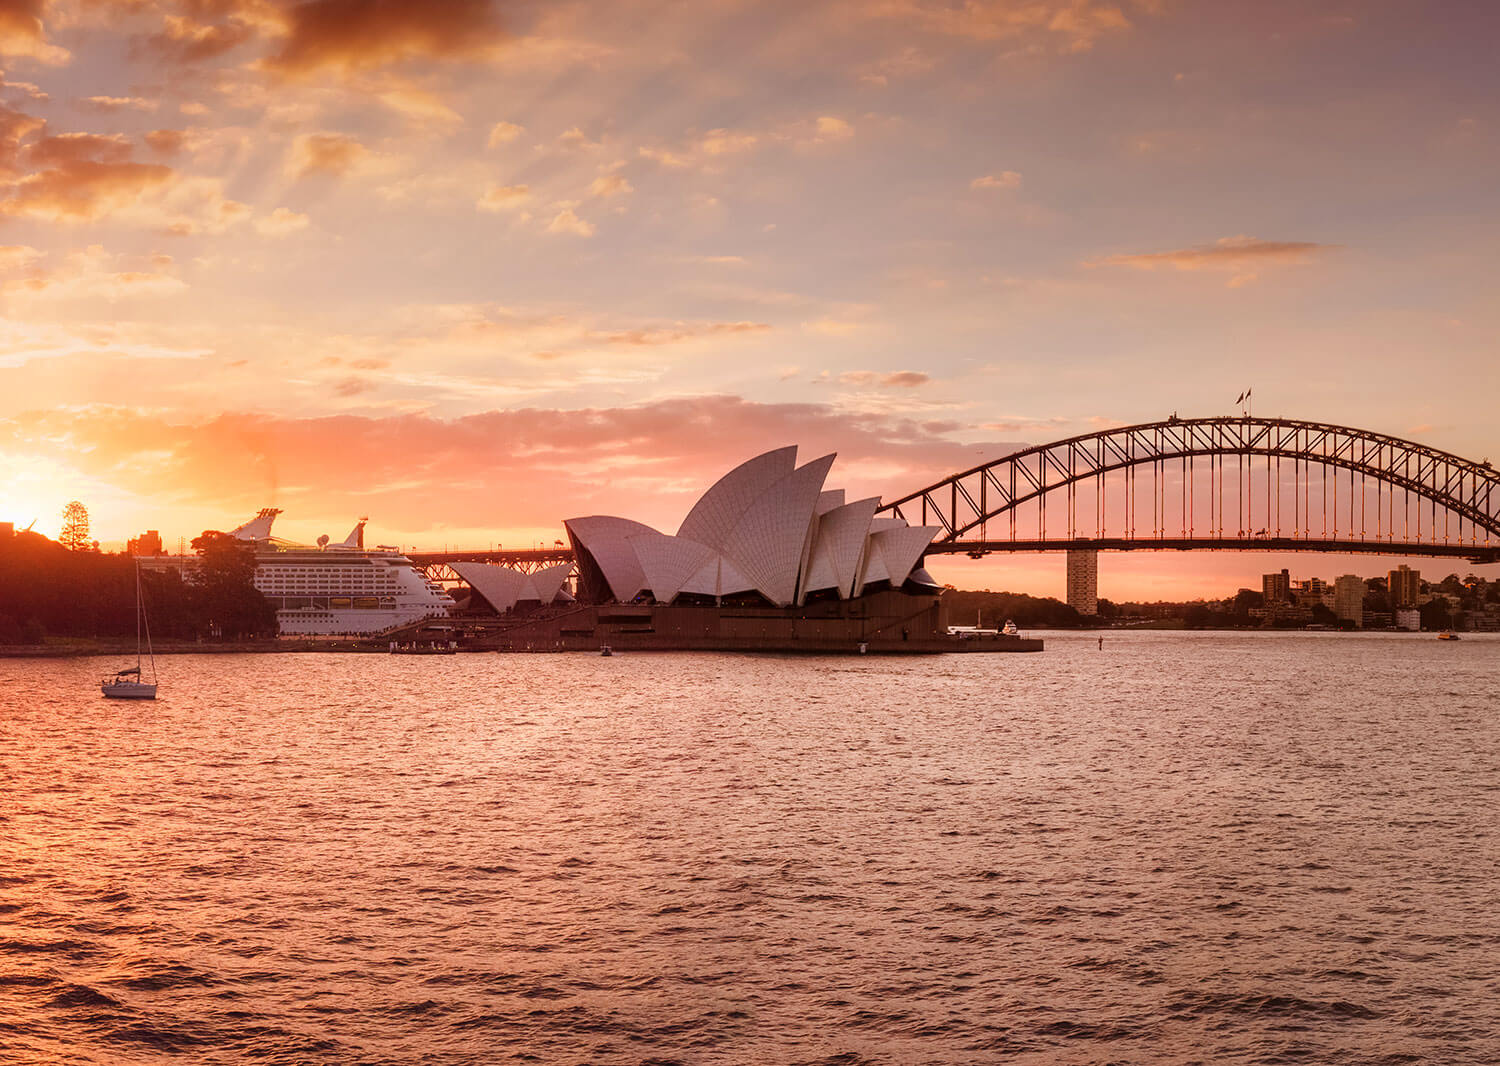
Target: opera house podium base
point(879, 623)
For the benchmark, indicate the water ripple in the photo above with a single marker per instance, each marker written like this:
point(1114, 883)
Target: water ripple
point(1191, 848)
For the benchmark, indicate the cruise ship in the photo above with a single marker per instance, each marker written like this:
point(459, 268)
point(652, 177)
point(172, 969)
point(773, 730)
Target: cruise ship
point(339, 589)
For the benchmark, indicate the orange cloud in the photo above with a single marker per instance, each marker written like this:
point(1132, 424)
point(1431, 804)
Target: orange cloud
point(14, 128)
point(119, 103)
point(566, 221)
point(528, 468)
point(351, 35)
point(1075, 24)
point(904, 379)
point(281, 223)
point(93, 275)
point(1241, 255)
point(680, 331)
point(22, 33)
point(166, 142)
point(189, 39)
point(326, 153)
point(1005, 179)
point(65, 148)
point(82, 176)
point(504, 133)
point(608, 185)
point(504, 198)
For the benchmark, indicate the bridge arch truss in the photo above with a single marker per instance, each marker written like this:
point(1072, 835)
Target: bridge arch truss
point(1226, 482)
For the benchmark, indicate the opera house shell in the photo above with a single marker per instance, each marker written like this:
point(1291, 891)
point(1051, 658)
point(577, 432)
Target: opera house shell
point(503, 588)
point(767, 531)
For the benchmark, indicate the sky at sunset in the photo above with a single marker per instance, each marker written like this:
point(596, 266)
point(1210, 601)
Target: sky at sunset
point(472, 267)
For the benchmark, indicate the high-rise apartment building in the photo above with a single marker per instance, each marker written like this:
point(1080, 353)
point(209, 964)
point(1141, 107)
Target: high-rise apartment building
point(1083, 581)
point(1405, 585)
point(1276, 588)
point(1349, 598)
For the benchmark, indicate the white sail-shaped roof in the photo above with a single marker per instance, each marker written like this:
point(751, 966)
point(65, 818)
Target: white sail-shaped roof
point(668, 562)
point(547, 582)
point(873, 568)
point(769, 543)
point(719, 510)
point(901, 550)
point(834, 563)
point(828, 499)
point(920, 576)
point(718, 577)
point(606, 539)
point(501, 587)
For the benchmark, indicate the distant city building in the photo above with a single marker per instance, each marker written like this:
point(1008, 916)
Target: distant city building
point(1314, 591)
point(1409, 618)
point(148, 543)
point(1276, 588)
point(1405, 585)
point(1349, 598)
point(1083, 581)
point(1281, 614)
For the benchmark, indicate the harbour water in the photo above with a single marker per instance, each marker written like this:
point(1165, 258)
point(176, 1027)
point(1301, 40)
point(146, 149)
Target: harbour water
point(1183, 848)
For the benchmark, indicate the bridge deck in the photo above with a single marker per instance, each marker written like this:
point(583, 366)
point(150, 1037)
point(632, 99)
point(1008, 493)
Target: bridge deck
point(1477, 553)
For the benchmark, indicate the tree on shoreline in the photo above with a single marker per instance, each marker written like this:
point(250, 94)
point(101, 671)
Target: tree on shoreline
point(75, 528)
point(226, 596)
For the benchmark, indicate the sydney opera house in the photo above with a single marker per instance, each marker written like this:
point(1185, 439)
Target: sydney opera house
point(767, 559)
point(768, 531)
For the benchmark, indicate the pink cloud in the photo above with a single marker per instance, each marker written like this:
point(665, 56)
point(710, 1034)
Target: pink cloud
point(502, 469)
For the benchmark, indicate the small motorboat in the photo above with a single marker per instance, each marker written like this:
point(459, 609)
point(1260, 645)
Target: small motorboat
point(1010, 629)
point(1445, 635)
point(604, 649)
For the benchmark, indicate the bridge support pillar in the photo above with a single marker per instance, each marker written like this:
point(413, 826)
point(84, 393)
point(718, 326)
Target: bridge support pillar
point(1083, 580)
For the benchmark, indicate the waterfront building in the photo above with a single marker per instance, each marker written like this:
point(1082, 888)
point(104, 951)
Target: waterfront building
point(1276, 588)
point(1409, 618)
point(1405, 586)
point(768, 559)
point(1083, 581)
point(1349, 598)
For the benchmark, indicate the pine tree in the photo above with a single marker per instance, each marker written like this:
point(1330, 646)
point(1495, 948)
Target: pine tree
point(75, 530)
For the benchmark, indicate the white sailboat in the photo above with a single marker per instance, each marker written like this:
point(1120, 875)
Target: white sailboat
point(131, 684)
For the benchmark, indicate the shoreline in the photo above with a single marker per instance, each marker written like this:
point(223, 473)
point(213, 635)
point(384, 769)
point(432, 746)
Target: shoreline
point(354, 646)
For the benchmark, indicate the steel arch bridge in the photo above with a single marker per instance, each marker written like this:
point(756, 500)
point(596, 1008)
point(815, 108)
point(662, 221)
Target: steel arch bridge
point(1226, 483)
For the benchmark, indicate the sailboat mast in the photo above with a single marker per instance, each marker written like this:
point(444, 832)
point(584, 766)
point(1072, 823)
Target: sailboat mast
point(142, 620)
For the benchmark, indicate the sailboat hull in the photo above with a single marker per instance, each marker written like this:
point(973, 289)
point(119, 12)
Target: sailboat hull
point(128, 690)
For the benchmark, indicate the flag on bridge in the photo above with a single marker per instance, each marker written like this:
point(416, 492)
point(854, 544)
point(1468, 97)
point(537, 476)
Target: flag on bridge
point(1240, 398)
